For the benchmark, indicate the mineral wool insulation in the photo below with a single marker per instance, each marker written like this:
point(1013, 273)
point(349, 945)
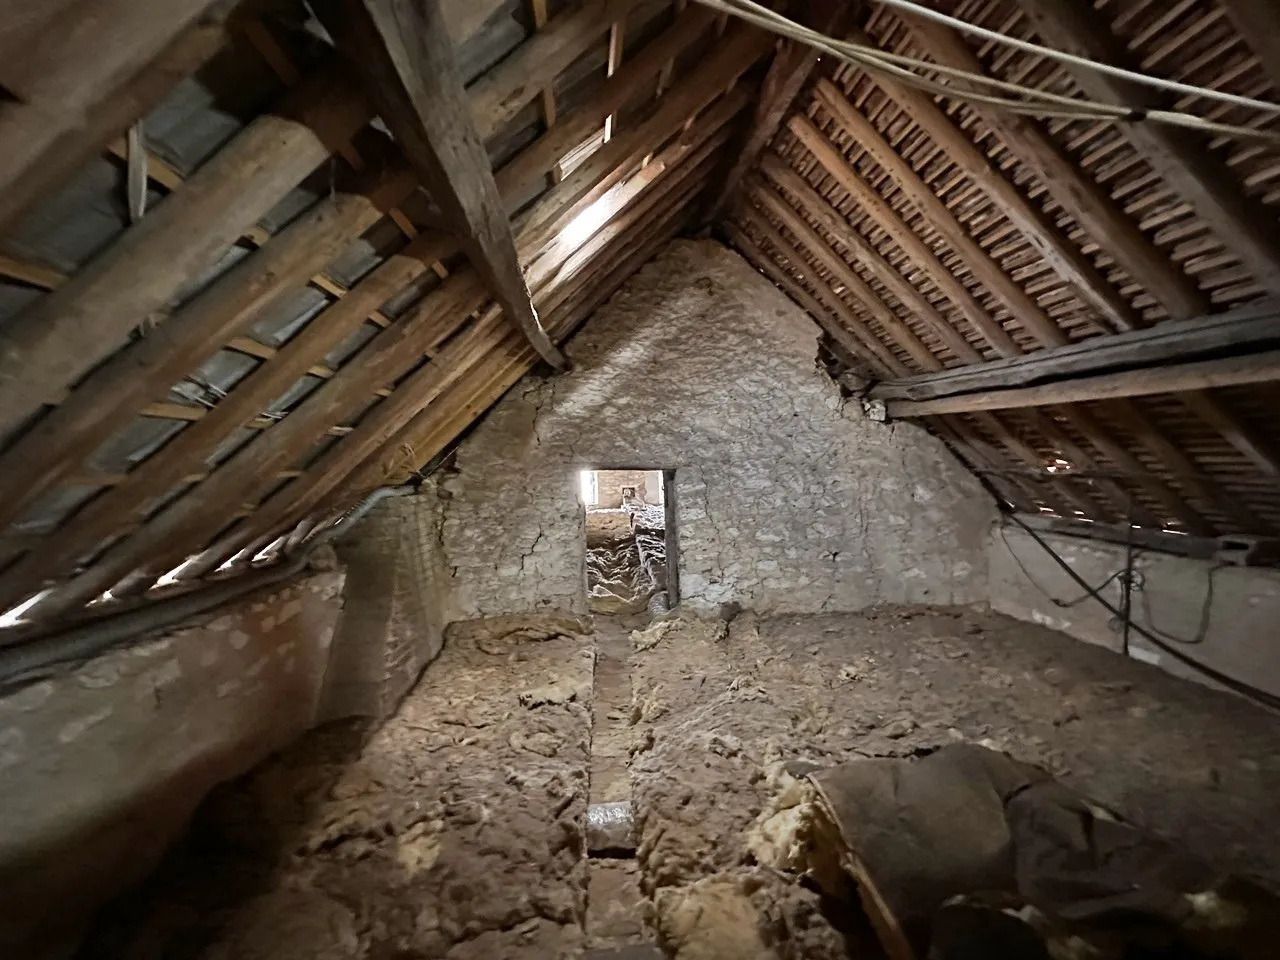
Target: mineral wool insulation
point(787, 498)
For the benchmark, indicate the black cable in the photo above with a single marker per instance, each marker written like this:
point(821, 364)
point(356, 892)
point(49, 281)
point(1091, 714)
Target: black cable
point(1260, 697)
point(1206, 613)
point(1089, 593)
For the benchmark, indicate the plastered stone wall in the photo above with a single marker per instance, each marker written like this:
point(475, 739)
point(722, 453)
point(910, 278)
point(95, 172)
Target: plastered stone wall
point(101, 766)
point(787, 498)
point(1231, 629)
point(397, 602)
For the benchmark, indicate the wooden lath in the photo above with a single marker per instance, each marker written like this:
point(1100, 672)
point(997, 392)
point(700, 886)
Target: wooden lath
point(385, 398)
point(904, 224)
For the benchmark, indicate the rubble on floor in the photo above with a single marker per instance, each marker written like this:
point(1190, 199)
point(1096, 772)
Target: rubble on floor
point(626, 557)
point(460, 828)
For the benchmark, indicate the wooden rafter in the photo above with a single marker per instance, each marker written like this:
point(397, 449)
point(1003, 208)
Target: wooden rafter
point(867, 256)
point(80, 76)
point(1175, 378)
point(788, 73)
point(845, 328)
point(64, 335)
point(1258, 22)
point(1089, 205)
point(1026, 312)
point(1244, 329)
point(403, 50)
point(1178, 156)
point(886, 218)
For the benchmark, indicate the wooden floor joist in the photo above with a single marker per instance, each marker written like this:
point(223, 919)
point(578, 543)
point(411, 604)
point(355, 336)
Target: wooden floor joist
point(1258, 22)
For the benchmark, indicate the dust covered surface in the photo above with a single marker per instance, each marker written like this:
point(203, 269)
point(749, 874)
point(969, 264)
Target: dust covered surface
point(456, 831)
point(725, 713)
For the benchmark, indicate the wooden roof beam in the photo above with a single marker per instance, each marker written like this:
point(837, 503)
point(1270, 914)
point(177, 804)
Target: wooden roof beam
point(1101, 217)
point(63, 336)
point(887, 219)
point(1249, 328)
point(1025, 310)
point(870, 258)
point(81, 75)
point(1259, 24)
point(404, 53)
point(146, 368)
point(1174, 378)
point(789, 71)
point(1178, 156)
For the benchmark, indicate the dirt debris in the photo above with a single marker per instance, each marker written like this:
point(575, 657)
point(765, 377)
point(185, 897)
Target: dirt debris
point(458, 830)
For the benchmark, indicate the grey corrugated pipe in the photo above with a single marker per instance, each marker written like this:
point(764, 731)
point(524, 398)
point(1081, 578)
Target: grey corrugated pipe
point(40, 657)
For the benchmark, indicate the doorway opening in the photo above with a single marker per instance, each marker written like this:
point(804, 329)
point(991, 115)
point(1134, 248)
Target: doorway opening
point(630, 540)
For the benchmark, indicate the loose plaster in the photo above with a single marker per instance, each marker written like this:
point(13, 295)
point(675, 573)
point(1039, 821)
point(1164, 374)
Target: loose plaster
point(788, 498)
point(101, 766)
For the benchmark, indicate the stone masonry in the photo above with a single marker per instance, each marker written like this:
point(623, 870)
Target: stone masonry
point(788, 498)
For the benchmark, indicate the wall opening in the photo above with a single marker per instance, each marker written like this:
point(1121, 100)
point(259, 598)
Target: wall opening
point(630, 539)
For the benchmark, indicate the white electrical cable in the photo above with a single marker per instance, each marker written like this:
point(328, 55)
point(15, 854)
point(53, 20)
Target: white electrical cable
point(1039, 103)
point(1070, 58)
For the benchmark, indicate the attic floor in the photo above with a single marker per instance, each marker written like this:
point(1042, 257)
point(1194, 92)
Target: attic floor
point(456, 830)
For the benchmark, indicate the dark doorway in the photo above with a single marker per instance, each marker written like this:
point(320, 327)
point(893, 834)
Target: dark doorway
point(630, 539)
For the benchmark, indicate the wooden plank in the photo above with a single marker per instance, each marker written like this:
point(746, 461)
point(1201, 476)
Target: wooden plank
point(77, 78)
point(616, 159)
point(1178, 156)
point(64, 335)
point(1025, 310)
point(844, 328)
point(1187, 473)
point(1101, 217)
point(788, 73)
point(527, 170)
point(884, 216)
point(402, 49)
point(539, 10)
point(868, 256)
point(1249, 328)
point(1258, 22)
point(1176, 378)
point(1222, 418)
point(1015, 491)
point(387, 421)
point(897, 331)
point(1134, 469)
point(147, 367)
point(495, 100)
point(33, 274)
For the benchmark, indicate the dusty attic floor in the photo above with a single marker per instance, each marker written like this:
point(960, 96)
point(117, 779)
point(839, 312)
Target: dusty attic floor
point(457, 830)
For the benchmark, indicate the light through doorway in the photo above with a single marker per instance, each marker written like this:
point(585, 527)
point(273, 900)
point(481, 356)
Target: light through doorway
point(630, 540)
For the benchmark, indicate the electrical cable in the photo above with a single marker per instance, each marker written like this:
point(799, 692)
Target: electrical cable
point(1039, 103)
point(1070, 58)
point(1090, 593)
point(1261, 697)
point(1206, 614)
